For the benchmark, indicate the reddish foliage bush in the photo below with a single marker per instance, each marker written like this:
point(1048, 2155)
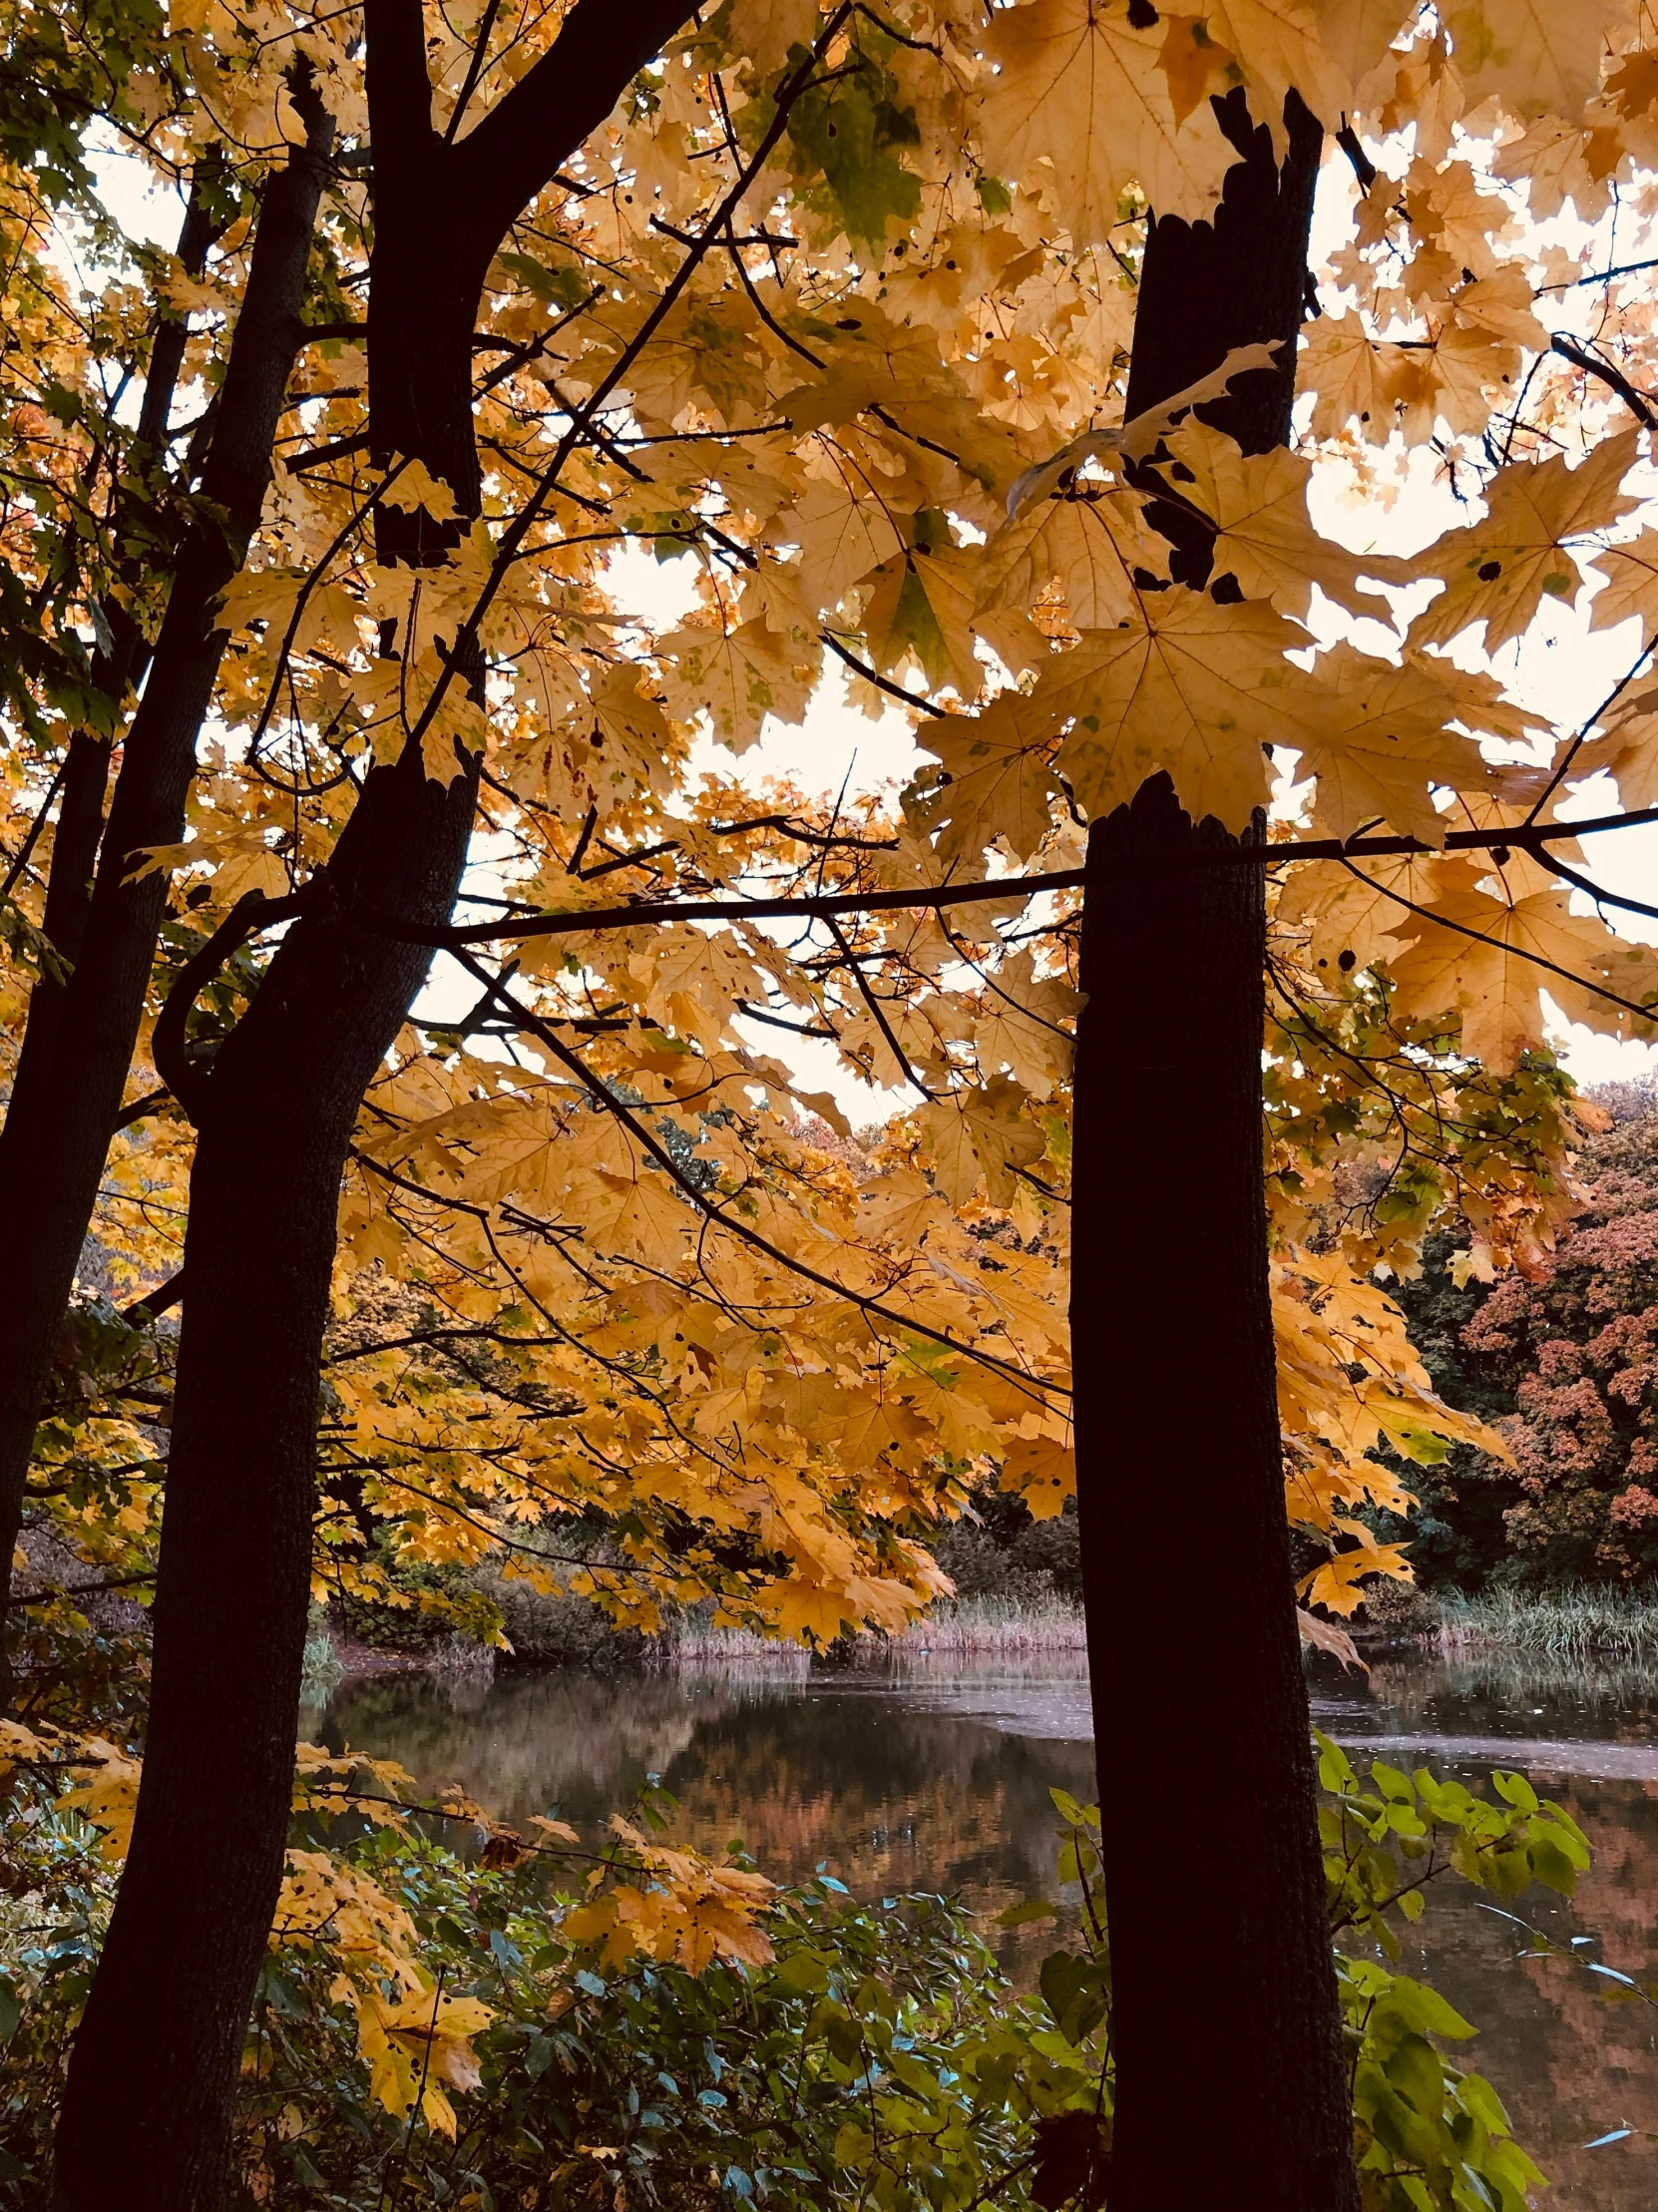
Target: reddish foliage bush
point(1578, 1350)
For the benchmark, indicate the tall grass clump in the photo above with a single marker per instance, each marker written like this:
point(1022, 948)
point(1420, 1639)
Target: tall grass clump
point(323, 1670)
point(1561, 1625)
point(1042, 1623)
point(694, 1641)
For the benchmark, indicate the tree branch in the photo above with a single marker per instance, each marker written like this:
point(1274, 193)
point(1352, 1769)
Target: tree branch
point(1638, 405)
point(871, 1308)
point(1532, 837)
point(521, 143)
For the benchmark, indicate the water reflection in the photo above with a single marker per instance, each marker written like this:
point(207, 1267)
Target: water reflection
point(937, 1775)
point(912, 1781)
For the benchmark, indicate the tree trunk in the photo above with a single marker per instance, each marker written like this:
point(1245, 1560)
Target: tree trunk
point(1225, 2028)
point(147, 2110)
point(80, 824)
point(79, 1043)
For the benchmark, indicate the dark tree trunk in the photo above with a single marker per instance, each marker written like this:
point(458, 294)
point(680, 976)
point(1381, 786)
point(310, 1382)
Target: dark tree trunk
point(79, 1045)
point(148, 2111)
point(1230, 2080)
point(80, 823)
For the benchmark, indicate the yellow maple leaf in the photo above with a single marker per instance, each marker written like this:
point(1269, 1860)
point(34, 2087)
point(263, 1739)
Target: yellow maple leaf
point(981, 1133)
point(1500, 571)
point(1353, 378)
point(1631, 585)
point(1351, 921)
point(1089, 539)
point(1192, 686)
point(1321, 51)
point(844, 529)
point(1263, 534)
point(417, 2046)
point(108, 1797)
point(919, 604)
point(1537, 56)
point(1386, 747)
point(739, 677)
point(1193, 62)
point(806, 1609)
point(1077, 85)
point(1495, 980)
point(998, 778)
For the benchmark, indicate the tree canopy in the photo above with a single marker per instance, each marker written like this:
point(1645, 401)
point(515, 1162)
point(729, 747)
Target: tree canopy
point(538, 410)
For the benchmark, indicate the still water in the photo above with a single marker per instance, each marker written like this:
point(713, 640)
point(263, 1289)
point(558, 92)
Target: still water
point(935, 1775)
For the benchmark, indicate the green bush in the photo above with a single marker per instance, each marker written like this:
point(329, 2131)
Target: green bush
point(876, 2059)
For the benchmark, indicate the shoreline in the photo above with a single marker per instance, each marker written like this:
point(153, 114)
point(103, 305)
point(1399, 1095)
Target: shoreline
point(974, 1627)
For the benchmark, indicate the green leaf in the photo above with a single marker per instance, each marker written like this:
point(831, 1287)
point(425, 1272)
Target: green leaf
point(1516, 1789)
point(848, 132)
point(1034, 1908)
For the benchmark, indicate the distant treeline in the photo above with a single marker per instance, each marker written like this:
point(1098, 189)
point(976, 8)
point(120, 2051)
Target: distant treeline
point(1566, 1367)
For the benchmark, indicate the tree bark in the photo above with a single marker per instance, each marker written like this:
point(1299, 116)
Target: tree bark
point(148, 2111)
point(1225, 2028)
point(80, 824)
point(80, 1038)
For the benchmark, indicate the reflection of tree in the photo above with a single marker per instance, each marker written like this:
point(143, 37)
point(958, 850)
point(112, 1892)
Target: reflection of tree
point(1518, 1694)
point(893, 1796)
point(578, 1741)
point(890, 1797)
point(1568, 2066)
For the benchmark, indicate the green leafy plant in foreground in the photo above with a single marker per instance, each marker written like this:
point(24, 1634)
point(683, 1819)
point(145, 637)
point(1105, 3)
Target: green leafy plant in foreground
point(878, 2058)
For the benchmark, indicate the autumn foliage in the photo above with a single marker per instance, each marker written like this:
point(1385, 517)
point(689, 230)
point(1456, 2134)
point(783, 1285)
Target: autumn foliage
point(1573, 1350)
point(412, 958)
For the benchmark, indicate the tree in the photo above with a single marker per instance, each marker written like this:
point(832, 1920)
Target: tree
point(1568, 1350)
point(103, 909)
point(818, 305)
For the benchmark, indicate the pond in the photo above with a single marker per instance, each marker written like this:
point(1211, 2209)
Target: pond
point(935, 1775)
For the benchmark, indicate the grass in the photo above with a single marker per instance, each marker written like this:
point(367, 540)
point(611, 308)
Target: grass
point(696, 1643)
point(996, 1625)
point(1564, 1625)
point(322, 1672)
point(969, 1624)
point(982, 1626)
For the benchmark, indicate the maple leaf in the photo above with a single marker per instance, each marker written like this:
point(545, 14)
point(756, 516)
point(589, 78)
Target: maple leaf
point(974, 1134)
point(1323, 1635)
point(1500, 571)
point(1080, 86)
point(1263, 534)
point(739, 677)
point(1322, 52)
point(1387, 746)
point(1089, 539)
point(1630, 588)
point(1477, 955)
point(763, 31)
point(108, 1797)
point(844, 530)
point(1137, 437)
point(1193, 63)
point(1538, 58)
point(1192, 687)
point(1628, 752)
point(1350, 377)
point(919, 604)
point(1353, 919)
point(997, 783)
